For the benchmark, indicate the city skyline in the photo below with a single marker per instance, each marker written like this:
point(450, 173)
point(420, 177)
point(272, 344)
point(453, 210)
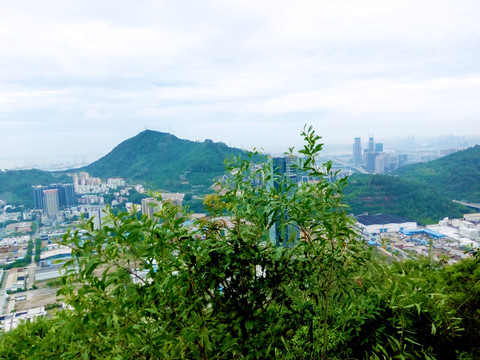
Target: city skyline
point(78, 78)
point(402, 144)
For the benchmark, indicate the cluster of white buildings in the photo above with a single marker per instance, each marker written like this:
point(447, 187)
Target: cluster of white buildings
point(14, 240)
point(452, 237)
point(465, 232)
point(84, 184)
point(11, 321)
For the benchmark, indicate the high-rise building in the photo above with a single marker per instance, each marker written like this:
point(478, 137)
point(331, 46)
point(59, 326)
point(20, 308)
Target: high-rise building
point(284, 174)
point(50, 201)
point(65, 194)
point(151, 205)
point(357, 152)
point(381, 164)
point(402, 159)
point(371, 144)
point(174, 198)
point(96, 213)
point(378, 147)
point(370, 154)
point(83, 178)
point(38, 196)
point(370, 160)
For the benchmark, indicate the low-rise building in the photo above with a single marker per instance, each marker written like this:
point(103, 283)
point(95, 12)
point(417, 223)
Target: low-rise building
point(383, 223)
point(51, 264)
point(17, 279)
point(11, 321)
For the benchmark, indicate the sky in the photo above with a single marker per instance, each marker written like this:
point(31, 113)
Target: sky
point(79, 77)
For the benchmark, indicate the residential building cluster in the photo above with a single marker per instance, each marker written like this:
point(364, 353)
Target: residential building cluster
point(53, 197)
point(56, 201)
point(84, 184)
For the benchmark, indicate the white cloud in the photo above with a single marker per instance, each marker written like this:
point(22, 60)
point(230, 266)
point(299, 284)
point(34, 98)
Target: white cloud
point(243, 72)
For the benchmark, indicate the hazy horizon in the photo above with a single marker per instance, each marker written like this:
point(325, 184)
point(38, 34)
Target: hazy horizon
point(79, 77)
point(66, 161)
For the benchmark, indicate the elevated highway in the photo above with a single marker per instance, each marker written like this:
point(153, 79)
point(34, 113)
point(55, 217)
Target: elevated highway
point(470, 205)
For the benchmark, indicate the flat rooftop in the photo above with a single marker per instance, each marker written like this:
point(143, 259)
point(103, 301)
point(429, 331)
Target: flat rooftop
point(381, 219)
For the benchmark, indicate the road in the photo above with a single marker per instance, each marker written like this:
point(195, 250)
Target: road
point(474, 206)
point(31, 272)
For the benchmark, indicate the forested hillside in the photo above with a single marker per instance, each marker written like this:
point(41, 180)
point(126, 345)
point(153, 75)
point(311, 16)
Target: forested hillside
point(455, 176)
point(394, 195)
point(16, 185)
point(158, 160)
point(163, 161)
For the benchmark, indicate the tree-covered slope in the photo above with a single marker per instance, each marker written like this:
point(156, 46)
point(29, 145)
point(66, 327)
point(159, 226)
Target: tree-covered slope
point(16, 185)
point(455, 176)
point(164, 161)
point(398, 196)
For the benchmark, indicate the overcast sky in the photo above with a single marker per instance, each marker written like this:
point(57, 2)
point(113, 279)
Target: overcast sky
point(79, 77)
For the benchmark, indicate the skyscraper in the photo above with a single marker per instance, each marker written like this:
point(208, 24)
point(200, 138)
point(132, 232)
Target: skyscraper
point(50, 201)
point(284, 173)
point(357, 152)
point(371, 144)
point(65, 195)
point(150, 206)
point(370, 160)
point(37, 191)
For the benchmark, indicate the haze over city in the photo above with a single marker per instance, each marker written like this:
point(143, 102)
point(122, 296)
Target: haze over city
point(77, 78)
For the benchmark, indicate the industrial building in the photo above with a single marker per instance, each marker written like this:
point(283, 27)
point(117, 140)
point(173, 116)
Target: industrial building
point(51, 263)
point(383, 223)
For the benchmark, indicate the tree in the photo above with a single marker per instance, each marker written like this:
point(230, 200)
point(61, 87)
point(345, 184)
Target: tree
point(222, 288)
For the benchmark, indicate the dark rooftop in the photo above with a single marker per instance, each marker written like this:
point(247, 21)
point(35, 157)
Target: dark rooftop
point(380, 219)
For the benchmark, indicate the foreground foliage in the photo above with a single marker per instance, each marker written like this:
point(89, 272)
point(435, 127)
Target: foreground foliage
point(221, 288)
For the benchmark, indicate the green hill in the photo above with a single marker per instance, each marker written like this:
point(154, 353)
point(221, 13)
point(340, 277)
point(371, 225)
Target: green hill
point(455, 176)
point(158, 160)
point(163, 161)
point(394, 195)
point(16, 185)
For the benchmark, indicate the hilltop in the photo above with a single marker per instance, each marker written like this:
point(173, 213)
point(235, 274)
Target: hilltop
point(163, 161)
point(158, 160)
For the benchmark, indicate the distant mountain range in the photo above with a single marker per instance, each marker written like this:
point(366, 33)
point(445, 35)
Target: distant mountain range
point(422, 192)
